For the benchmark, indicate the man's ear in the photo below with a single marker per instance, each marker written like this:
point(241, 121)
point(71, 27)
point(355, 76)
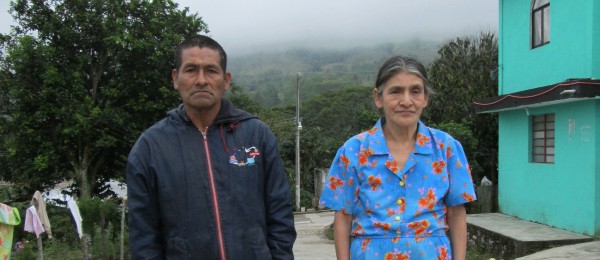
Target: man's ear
point(174, 76)
point(228, 78)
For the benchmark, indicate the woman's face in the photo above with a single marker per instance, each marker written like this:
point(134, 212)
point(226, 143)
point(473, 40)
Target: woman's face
point(403, 99)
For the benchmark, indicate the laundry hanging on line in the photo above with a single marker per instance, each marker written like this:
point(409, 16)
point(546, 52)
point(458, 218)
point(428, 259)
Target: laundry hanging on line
point(9, 217)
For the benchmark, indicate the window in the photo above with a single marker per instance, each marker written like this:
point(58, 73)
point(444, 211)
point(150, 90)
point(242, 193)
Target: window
point(542, 150)
point(540, 22)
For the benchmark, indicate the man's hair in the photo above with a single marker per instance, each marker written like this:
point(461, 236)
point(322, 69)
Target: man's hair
point(200, 41)
point(398, 64)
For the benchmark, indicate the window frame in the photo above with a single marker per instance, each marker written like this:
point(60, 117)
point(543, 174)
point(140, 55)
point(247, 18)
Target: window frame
point(543, 9)
point(543, 138)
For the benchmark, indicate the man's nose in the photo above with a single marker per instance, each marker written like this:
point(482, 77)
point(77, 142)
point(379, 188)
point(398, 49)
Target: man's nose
point(200, 78)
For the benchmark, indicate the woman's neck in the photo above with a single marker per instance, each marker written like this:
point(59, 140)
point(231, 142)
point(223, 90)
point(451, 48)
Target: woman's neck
point(400, 135)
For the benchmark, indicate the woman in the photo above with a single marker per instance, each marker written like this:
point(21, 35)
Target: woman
point(400, 186)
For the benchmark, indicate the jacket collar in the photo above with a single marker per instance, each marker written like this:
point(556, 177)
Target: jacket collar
point(227, 114)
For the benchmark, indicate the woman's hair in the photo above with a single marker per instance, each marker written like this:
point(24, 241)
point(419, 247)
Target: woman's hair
point(398, 64)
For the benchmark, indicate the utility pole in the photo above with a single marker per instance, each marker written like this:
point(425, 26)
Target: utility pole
point(298, 128)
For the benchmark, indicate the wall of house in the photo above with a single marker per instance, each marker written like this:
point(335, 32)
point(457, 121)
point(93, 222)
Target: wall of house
point(597, 167)
point(567, 55)
point(559, 194)
point(596, 40)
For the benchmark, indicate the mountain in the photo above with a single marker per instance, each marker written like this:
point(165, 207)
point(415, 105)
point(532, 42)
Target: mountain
point(270, 78)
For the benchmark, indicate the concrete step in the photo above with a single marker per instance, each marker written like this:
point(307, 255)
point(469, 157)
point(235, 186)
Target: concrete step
point(509, 237)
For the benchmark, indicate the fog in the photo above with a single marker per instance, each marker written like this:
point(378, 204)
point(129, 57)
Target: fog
point(242, 26)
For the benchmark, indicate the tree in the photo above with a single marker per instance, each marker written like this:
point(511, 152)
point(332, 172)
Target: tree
point(328, 120)
point(464, 72)
point(82, 79)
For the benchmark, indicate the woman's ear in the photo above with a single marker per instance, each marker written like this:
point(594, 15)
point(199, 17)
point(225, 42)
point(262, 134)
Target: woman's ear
point(377, 98)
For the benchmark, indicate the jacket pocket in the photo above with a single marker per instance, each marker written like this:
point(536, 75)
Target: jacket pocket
point(177, 248)
point(260, 246)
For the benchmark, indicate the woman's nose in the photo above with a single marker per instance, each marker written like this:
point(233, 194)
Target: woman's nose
point(404, 99)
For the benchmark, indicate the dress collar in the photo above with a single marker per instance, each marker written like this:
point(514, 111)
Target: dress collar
point(376, 140)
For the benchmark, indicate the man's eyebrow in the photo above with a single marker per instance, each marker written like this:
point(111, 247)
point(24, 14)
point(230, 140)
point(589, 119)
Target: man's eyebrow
point(190, 65)
point(194, 65)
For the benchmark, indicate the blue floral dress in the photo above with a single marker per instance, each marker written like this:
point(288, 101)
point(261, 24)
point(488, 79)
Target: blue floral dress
point(399, 213)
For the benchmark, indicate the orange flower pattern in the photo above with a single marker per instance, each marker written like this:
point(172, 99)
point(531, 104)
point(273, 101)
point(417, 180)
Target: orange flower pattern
point(335, 182)
point(398, 213)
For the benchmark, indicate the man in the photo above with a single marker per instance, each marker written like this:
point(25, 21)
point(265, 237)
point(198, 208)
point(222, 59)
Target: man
point(207, 181)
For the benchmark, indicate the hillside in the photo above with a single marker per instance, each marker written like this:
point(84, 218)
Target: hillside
point(269, 78)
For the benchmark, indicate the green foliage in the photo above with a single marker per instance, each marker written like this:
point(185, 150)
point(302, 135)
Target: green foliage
point(79, 81)
point(65, 243)
point(89, 209)
point(56, 249)
point(269, 78)
point(328, 120)
point(464, 72)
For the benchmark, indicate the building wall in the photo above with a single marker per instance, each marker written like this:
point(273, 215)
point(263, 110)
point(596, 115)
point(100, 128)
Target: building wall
point(597, 166)
point(562, 194)
point(596, 40)
point(567, 56)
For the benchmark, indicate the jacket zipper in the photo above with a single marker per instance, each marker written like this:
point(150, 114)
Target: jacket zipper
point(214, 196)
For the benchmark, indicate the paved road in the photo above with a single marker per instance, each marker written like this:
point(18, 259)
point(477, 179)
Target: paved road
point(311, 242)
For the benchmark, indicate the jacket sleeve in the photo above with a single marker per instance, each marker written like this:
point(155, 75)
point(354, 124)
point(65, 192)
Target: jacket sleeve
point(281, 233)
point(144, 219)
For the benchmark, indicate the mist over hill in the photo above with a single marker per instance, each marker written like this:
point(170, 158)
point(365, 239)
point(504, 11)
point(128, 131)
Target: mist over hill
point(269, 76)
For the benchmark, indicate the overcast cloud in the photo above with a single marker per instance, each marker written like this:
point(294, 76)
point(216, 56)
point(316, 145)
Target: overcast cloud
point(242, 25)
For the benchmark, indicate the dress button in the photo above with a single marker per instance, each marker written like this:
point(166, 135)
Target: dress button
point(397, 218)
point(399, 201)
point(402, 183)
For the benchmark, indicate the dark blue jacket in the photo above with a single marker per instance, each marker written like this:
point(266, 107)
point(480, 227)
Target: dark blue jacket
point(173, 199)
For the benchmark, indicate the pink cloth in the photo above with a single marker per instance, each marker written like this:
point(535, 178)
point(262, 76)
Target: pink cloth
point(32, 222)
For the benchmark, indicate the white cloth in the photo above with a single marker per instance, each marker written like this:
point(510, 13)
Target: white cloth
point(32, 222)
point(75, 212)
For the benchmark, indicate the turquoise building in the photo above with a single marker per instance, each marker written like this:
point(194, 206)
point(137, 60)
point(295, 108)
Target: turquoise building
point(549, 112)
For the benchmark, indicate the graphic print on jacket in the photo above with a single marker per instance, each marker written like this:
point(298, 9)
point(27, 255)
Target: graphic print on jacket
point(244, 156)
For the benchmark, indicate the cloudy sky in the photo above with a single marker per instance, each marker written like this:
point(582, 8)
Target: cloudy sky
point(241, 25)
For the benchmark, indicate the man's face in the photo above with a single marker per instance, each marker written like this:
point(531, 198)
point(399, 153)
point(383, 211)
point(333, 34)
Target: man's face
point(200, 80)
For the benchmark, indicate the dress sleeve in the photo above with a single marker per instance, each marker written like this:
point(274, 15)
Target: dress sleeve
point(340, 192)
point(461, 183)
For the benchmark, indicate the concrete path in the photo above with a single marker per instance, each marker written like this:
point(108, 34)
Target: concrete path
point(522, 230)
point(568, 245)
point(587, 251)
point(311, 242)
